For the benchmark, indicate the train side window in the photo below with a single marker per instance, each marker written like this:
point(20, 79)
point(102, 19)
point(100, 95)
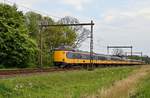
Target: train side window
point(79, 56)
point(101, 58)
point(93, 57)
point(89, 57)
point(83, 56)
point(96, 57)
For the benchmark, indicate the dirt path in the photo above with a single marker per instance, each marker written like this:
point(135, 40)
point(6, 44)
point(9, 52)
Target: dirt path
point(123, 88)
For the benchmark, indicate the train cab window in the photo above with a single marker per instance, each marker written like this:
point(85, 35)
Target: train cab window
point(76, 56)
point(69, 55)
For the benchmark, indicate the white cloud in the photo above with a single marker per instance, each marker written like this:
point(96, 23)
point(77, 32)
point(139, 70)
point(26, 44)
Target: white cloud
point(77, 4)
point(117, 14)
point(109, 18)
point(145, 13)
point(125, 27)
point(27, 3)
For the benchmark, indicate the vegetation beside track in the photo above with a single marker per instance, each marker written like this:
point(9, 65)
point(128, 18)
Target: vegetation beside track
point(143, 88)
point(73, 84)
point(20, 38)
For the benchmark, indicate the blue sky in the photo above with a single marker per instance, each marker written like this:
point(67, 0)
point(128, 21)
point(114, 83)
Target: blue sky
point(117, 22)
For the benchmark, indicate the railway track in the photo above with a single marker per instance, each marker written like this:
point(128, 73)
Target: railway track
point(14, 72)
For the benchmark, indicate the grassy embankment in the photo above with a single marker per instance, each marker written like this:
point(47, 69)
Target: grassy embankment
point(143, 88)
point(73, 84)
point(125, 88)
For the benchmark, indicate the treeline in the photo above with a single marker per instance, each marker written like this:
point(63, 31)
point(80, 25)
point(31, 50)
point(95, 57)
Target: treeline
point(146, 59)
point(20, 38)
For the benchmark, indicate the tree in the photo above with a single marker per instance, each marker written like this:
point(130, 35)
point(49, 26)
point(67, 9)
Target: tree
point(81, 33)
point(145, 58)
point(16, 48)
point(54, 37)
point(32, 22)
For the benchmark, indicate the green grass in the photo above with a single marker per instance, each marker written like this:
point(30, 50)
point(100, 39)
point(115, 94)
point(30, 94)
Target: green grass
point(143, 88)
point(72, 84)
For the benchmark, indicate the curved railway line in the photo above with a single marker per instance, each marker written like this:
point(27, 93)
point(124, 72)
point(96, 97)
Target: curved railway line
point(4, 73)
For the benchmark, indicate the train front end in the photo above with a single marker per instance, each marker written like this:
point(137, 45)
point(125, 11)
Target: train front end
point(59, 57)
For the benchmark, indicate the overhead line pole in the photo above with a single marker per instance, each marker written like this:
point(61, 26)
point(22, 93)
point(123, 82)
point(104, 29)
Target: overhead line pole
point(91, 48)
point(78, 24)
point(41, 47)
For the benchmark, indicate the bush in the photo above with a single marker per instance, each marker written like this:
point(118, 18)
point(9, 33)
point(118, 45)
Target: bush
point(16, 48)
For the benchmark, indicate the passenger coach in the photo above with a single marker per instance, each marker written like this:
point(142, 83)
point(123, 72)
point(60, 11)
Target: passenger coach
point(74, 58)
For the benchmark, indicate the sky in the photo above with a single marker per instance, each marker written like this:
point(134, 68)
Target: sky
point(117, 22)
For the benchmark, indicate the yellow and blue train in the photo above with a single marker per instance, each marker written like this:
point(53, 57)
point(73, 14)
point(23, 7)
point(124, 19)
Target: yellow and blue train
point(74, 58)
